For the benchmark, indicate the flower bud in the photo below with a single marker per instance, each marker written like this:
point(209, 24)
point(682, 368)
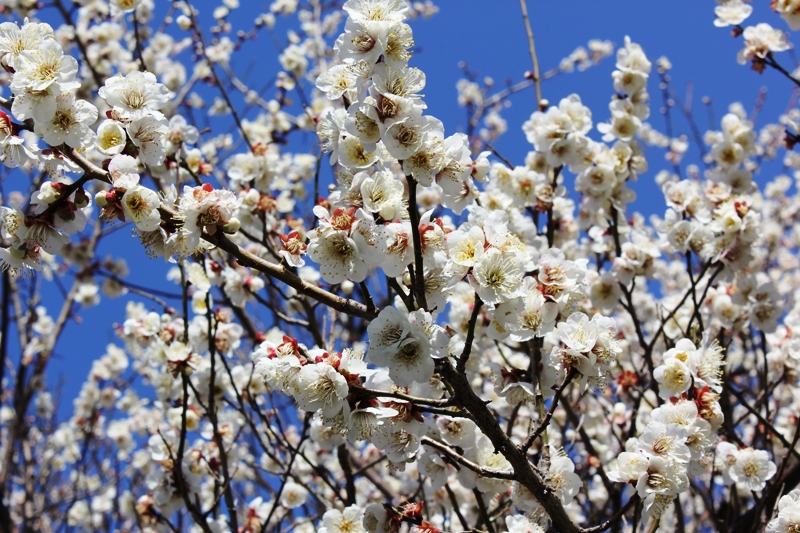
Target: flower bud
point(6, 126)
point(49, 192)
point(347, 287)
point(81, 198)
point(232, 226)
point(100, 199)
point(184, 22)
point(544, 103)
point(66, 211)
point(387, 212)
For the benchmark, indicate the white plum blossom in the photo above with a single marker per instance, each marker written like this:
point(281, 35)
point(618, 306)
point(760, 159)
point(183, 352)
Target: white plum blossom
point(148, 134)
point(294, 495)
point(434, 468)
point(562, 477)
point(788, 9)
point(497, 277)
point(732, 13)
point(382, 194)
point(402, 345)
point(15, 39)
point(752, 469)
point(70, 124)
point(140, 205)
point(204, 208)
point(522, 524)
point(424, 336)
point(405, 137)
point(135, 95)
point(345, 245)
point(526, 316)
point(348, 520)
point(124, 6)
point(673, 378)
point(111, 137)
point(42, 73)
point(759, 40)
point(321, 387)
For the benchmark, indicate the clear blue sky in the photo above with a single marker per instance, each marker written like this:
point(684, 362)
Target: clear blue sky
point(490, 36)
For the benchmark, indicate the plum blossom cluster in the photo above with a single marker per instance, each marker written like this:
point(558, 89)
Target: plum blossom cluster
point(43, 84)
point(135, 135)
point(677, 442)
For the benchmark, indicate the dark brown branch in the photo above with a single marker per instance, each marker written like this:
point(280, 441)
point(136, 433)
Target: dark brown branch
point(549, 416)
point(767, 425)
point(370, 393)
point(138, 42)
point(347, 468)
point(419, 268)
point(473, 320)
point(485, 518)
point(281, 273)
point(460, 459)
point(523, 469)
point(770, 60)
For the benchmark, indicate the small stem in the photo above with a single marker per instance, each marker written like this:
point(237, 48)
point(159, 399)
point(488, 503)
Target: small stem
point(138, 42)
point(476, 311)
point(532, 49)
point(487, 520)
point(616, 518)
point(770, 60)
point(460, 459)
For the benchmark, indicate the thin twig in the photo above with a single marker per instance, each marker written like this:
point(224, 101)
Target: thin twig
point(532, 49)
point(549, 416)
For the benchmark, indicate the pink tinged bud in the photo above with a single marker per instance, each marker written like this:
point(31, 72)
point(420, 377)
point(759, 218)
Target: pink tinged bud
point(81, 198)
point(66, 211)
point(6, 126)
point(50, 192)
point(100, 199)
point(206, 169)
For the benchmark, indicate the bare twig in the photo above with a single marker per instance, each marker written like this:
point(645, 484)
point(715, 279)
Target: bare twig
point(532, 50)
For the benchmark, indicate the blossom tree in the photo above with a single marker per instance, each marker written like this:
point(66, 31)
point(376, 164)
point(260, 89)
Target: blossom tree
point(369, 321)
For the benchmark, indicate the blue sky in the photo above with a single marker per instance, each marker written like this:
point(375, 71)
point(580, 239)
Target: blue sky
point(490, 36)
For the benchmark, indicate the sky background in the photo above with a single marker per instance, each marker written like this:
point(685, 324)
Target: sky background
point(490, 36)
